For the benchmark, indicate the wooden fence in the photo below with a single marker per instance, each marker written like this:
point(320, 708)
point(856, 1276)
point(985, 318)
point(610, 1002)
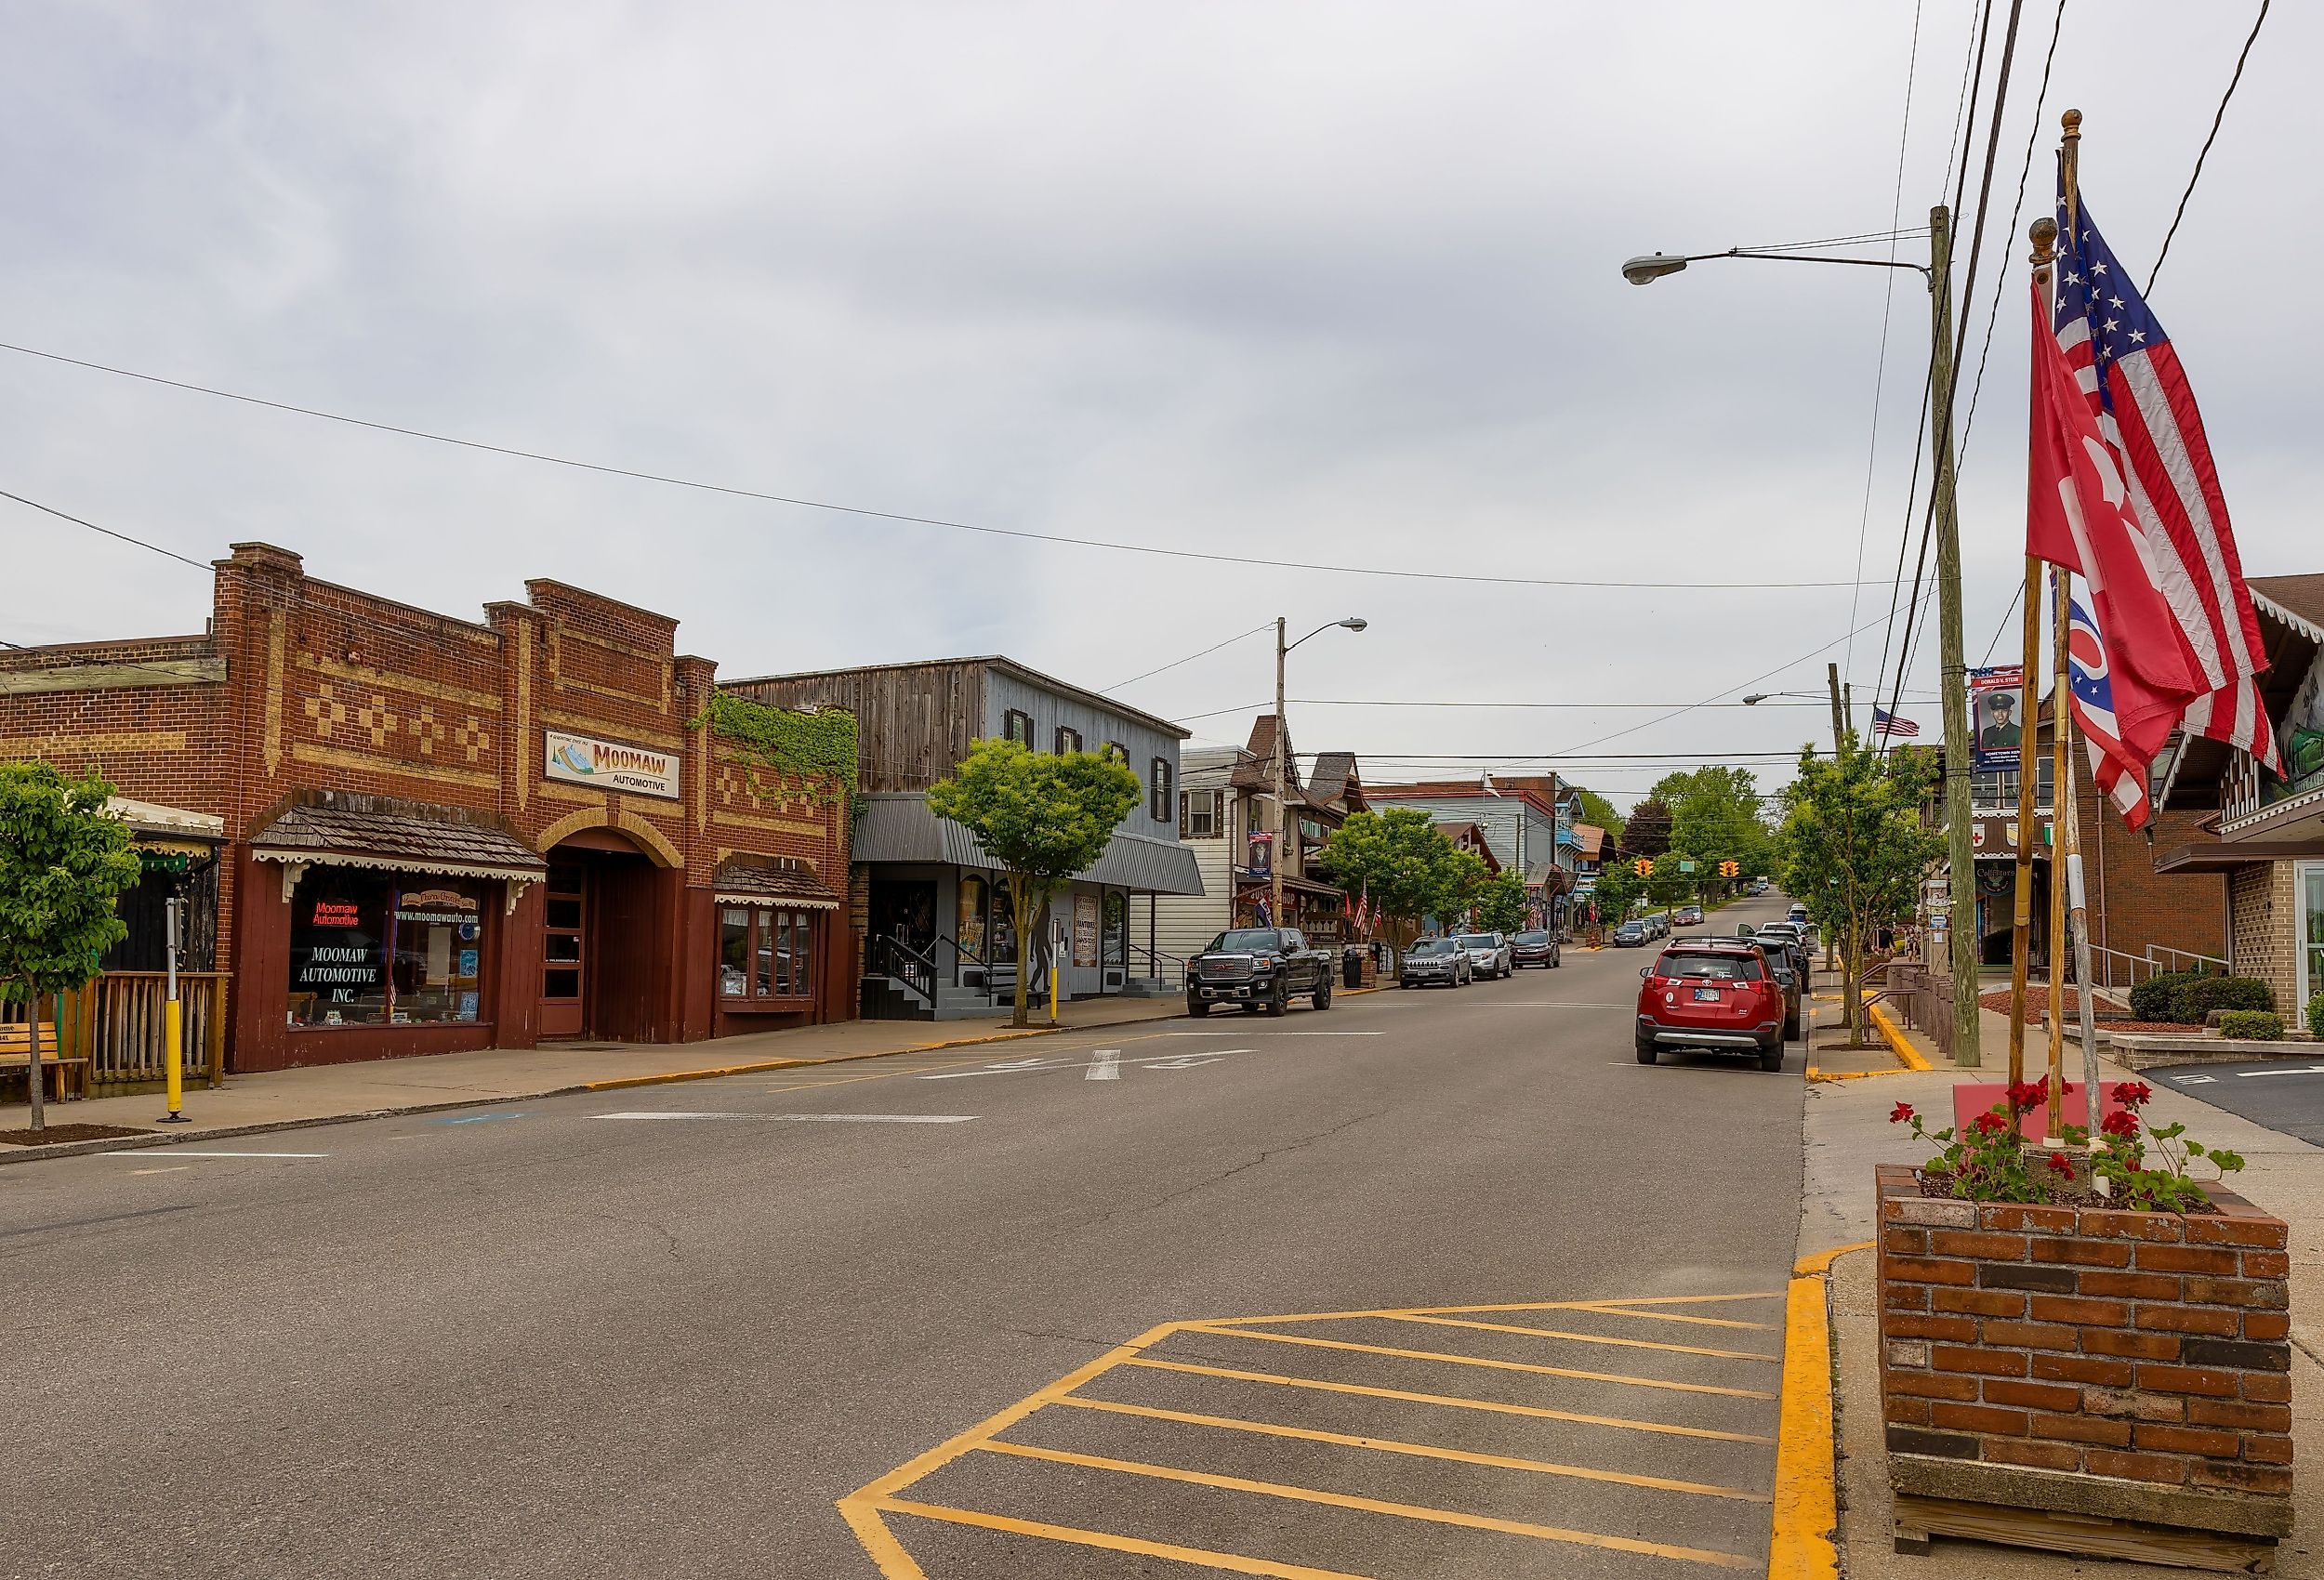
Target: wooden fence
point(116, 1022)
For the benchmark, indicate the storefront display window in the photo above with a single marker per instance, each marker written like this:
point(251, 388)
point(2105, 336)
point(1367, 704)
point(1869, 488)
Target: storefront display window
point(369, 948)
point(2311, 933)
point(970, 916)
point(766, 952)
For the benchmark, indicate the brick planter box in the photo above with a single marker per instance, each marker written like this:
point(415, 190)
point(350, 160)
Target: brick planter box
point(2086, 1380)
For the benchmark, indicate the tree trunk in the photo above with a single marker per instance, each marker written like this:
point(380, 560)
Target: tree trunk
point(31, 1067)
point(1017, 896)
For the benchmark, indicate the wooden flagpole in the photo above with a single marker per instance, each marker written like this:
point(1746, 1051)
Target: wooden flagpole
point(2045, 234)
point(2062, 858)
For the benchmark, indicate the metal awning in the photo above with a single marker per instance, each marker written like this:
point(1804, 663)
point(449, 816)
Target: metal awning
point(2225, 855)
point(395, 841)
point(899, 827)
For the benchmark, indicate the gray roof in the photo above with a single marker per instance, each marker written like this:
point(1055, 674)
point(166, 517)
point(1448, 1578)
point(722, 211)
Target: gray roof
point(400, 840)
point(1025, 672)
point(899, 827)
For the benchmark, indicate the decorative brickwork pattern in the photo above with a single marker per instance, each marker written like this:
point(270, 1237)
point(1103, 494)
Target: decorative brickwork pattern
point(2264, 914)
point(2144, 1347)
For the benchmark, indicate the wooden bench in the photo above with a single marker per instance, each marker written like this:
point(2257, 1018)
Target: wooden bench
point(16, 1053)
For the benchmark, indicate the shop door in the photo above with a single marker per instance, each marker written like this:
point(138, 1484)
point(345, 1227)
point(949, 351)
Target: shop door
point(565, 953)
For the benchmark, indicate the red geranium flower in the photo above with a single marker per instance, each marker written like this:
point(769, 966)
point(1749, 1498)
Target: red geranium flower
point(2060, 1162)
point(1900, 1113)
point(1988, 1124)
point(2025, 1095)
point(2133, 1094)
point(2120, 1124)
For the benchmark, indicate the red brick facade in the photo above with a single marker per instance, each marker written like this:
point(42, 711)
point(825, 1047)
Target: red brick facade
point(2147, 1347)
point(301, 686)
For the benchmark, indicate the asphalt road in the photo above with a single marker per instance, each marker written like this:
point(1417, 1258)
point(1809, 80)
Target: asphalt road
point(552, 1340)
point(2284, 1095)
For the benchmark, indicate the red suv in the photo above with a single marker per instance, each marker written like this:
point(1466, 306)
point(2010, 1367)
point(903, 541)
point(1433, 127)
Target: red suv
point(1712, 994)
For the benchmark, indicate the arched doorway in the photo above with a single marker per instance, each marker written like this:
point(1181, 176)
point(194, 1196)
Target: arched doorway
point(601, 936)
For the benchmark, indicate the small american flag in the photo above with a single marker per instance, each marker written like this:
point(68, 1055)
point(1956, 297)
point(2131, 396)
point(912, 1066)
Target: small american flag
point(1887, 723)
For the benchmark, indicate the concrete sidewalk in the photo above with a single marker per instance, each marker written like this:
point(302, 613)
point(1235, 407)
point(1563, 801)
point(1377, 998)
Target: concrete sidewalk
point(323, 1092)
point(1847, 1132)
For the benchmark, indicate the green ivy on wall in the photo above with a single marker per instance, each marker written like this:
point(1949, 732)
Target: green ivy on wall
point(818, 747)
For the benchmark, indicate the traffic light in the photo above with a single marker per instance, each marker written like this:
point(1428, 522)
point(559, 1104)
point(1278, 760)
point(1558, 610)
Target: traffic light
point(1728, 869)
point(1643, 866)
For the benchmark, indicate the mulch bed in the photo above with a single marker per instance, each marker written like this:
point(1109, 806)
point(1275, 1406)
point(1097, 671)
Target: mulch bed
point(57, 1135)
point(2109, 1016)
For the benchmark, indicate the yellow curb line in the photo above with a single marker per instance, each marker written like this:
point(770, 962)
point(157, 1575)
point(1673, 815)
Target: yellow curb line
point(1898, 1043)
point(1801, 1543)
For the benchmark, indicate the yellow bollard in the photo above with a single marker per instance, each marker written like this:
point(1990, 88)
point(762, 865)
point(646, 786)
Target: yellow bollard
point(174, 1024)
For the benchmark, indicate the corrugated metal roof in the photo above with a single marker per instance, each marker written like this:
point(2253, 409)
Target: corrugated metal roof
point(899, 827)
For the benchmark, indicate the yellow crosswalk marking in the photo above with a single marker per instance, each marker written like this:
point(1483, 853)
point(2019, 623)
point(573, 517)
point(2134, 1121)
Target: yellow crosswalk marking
point(1591, 1338)
point(1373, 1506)
point(1677, 1317)
point(1234, 1563)
point(1418, 1450)
point(1622, 1379)
point(1538, 1412)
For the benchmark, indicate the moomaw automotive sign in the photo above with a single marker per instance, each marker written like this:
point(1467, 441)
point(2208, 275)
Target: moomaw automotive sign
point(584, 759)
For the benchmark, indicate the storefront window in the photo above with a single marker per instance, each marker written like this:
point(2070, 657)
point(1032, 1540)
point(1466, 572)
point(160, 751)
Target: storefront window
point(370, 948)
point(766, 952)
point(970, 916)
point(1117, 927)
point(2311, 934)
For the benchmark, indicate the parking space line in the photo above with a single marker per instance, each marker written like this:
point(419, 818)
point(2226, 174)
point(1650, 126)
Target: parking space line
point(1452, 1401)
point(1609, 1306)
point(174, 1151)
point(1234, 1563)
point(1419, 1450)
point(1589, 1337)
point(1617, 1378)
point(1370, 1505)
point(1679, 1317)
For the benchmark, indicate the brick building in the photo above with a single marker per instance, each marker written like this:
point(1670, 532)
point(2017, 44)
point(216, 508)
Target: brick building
point(441, 834)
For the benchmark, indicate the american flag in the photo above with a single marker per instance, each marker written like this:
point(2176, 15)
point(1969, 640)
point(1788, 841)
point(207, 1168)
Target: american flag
point(2146, 412)
point(2113, 768)
point(1887, 723)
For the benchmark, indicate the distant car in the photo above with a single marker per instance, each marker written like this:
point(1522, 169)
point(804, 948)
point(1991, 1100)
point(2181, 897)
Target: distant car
point(1660, 922)
point(1789, 965)
point(1488, 954)
point(1534, 947)
point(1688, 916)
point(1262, 968)
point(1784, 938)
point(1631, 934)
point(1715, 994)
point(1796, 913)
point(1434, 962)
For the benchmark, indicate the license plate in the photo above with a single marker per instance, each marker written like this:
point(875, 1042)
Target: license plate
point(1706, 995)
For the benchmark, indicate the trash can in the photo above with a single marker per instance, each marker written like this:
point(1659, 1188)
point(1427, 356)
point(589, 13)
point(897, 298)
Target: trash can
point(1352, 965)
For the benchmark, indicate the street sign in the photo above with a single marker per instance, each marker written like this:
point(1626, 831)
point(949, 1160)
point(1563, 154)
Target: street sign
point(1685, 866)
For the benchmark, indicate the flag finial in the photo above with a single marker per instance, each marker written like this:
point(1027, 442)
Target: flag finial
point(2072, 122)
point(2043, 233)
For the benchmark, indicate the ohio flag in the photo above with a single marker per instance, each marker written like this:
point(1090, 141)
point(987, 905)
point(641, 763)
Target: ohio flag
point(2119, 773)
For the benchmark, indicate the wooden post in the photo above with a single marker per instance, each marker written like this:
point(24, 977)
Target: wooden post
point(1960, 856)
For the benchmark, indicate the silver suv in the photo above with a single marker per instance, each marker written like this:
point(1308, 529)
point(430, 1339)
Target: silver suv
point(1488, 954)
point(1434, 960)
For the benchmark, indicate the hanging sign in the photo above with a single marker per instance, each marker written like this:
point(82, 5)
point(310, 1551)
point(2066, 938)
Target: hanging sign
point(1263, 855)
point(636, 770)
point(1993, 722)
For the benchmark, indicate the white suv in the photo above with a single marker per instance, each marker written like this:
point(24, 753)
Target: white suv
point(1488, 954)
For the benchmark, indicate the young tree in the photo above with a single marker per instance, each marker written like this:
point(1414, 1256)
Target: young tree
point(1460, 878)
point(63, 860)
point(1399, 860)
point(1599, 813)
point(1856, 850)
point(1500, 904)
point(1043, 816)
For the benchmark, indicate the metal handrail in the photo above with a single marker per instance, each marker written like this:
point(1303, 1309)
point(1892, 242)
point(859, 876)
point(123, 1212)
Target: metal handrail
point(2157, 949)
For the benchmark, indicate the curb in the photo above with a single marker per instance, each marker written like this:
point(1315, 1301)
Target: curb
point(141, 1142)
point(1898, 1043)
point(1804, 1537)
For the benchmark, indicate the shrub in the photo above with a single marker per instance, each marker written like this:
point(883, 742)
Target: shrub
point(2316, 1016)
point(2192, 1001)
point(2260, 1025)
point(2150, 1000)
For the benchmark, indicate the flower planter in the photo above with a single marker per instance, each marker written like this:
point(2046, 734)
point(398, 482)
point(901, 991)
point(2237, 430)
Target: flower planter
point(2087, 1379)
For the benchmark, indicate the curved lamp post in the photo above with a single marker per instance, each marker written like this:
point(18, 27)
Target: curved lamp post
point(1282, 756)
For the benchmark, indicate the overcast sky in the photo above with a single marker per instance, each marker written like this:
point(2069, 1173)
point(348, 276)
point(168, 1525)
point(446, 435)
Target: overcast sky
point(1330, 281)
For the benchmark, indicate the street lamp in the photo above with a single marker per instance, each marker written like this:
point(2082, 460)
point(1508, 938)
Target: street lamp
point(1645, 270)
point(1282, 751)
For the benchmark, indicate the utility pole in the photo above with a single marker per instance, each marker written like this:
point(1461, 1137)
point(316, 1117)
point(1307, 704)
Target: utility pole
point(1275, 856)
point(1960, 859)
point(1839, 713)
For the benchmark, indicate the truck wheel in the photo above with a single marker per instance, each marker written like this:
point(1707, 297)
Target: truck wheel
point(1279, 1002)
point(1791, 1024)
point(1557, 959)
point(1197, 1009)
point(1322, 999)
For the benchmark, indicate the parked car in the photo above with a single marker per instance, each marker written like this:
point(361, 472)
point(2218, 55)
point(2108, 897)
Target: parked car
point(1784, 939)
point(1787, 965)
point(1631, 934)
point(1715, 994)
point(1796, 913)
point(1488, 954)
point(1689, 916)
point(1660, 922)
point(1438, 962)
point(1535, 947)
point(1259, 969)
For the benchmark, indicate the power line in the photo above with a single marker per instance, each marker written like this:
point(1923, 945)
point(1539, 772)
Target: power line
point(2215, 120)
point(1155, 550)
point(125, 537)
point(1190, 658)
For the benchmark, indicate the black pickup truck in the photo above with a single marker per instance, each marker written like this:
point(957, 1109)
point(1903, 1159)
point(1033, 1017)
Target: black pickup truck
point(1259, 969)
